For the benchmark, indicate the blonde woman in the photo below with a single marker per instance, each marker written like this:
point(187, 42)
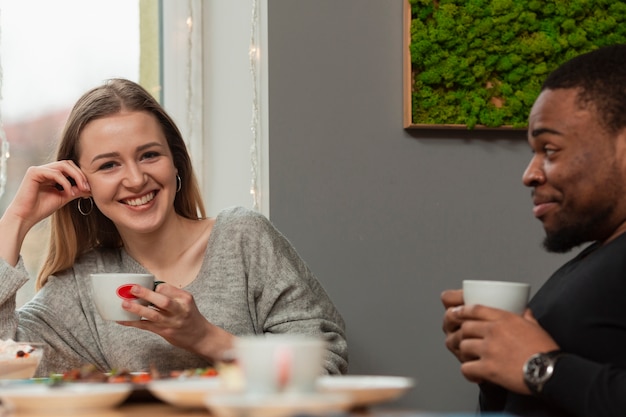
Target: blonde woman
point(122, 196)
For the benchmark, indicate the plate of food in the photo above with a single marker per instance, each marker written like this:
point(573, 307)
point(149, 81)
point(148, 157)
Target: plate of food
point(63, 397)
point(190, 388)
point(365, 390)
point(186, 392)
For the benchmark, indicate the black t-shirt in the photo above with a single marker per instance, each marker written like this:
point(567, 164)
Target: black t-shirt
point(583, 307)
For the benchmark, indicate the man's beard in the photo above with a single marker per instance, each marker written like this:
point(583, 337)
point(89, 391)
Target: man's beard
point(589, 227)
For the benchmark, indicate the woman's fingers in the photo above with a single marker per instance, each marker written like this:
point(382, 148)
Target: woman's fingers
point(174, 316)
point(51, 186)
point(168, 305)
point(68, 177)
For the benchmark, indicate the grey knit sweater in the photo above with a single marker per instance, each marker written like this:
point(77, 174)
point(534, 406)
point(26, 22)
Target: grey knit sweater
point(252, 281)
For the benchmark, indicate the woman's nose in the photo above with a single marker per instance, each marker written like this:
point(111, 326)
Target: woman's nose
point(134, 177)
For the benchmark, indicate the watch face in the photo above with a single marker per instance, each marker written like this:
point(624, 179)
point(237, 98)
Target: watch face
point(538, 368)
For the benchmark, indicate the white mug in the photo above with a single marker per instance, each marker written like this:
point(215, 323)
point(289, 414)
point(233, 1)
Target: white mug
point(111, 289)
point(279, 363)
point(505, 295)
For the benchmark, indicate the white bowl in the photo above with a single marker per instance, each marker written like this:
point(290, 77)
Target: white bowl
point(18, 366)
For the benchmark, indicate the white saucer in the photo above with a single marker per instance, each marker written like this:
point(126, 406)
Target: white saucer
point(366, 390)
point(71, 397)
point(277, 405)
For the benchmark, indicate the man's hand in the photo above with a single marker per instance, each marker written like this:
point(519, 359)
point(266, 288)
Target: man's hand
point(494, 344)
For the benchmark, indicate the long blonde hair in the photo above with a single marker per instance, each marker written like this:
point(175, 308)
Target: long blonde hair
point(71, 233)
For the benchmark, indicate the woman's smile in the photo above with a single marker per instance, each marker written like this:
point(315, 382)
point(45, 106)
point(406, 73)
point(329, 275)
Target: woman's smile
point(140, 201)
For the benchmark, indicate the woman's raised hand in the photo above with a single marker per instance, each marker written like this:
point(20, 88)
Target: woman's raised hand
point(47, 188)
point(44, 189)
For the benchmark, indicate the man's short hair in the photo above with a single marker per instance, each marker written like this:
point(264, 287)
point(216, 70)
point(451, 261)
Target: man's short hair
point(600, 75)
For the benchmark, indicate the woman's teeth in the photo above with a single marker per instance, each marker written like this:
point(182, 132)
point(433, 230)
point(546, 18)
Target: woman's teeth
point(140, 201)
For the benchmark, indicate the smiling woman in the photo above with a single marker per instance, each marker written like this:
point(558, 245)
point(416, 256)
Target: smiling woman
point(137, 177)
point(223, 277)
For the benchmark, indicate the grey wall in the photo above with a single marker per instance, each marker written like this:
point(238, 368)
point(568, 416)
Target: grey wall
point(388, 218)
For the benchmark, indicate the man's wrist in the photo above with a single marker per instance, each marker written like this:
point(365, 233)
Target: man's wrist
point(539, 368)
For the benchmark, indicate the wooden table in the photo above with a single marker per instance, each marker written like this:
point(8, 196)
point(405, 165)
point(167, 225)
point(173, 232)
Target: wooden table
point(143, 404)
point(159, 409)
point(165, 410)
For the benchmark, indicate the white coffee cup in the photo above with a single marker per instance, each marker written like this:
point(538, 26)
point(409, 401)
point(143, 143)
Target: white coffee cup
point(279, 363)
point(505, 295)
point(111, 289)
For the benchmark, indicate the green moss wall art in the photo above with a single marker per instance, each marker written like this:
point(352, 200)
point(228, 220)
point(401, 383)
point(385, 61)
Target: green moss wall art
point(480, 63)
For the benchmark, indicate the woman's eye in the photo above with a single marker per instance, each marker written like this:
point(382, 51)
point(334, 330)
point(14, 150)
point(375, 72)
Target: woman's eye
point(151, 154)
point(107, 165)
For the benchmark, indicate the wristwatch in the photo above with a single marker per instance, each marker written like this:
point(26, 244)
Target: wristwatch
point(539, 368)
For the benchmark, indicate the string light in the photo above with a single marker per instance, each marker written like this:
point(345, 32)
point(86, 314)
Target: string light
point(254, 125)
point(190, 46)
point(4, 143)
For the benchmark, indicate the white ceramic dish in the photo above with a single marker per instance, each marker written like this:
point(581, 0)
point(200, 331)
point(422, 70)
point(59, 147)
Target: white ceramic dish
point(365, 390)
point(70, 397)
point(185, 393)
point(21, 367)
point(277, 405)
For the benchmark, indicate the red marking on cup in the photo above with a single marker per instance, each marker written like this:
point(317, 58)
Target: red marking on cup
point(123, 291)
point(284, 363)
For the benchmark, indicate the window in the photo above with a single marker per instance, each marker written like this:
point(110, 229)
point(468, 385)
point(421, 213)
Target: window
point(51, 52)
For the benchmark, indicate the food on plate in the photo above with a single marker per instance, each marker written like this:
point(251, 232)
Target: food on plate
point(10, 349)
point(89, 373)
point(19, 359)
point(231, 375)
point(200, 372)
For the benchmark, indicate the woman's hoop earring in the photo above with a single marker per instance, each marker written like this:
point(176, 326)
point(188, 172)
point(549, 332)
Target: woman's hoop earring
point(80, 206)
point(179, 183)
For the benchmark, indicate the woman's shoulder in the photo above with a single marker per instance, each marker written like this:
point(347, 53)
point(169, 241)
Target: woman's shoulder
point(238, 215)
point(245, 224)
